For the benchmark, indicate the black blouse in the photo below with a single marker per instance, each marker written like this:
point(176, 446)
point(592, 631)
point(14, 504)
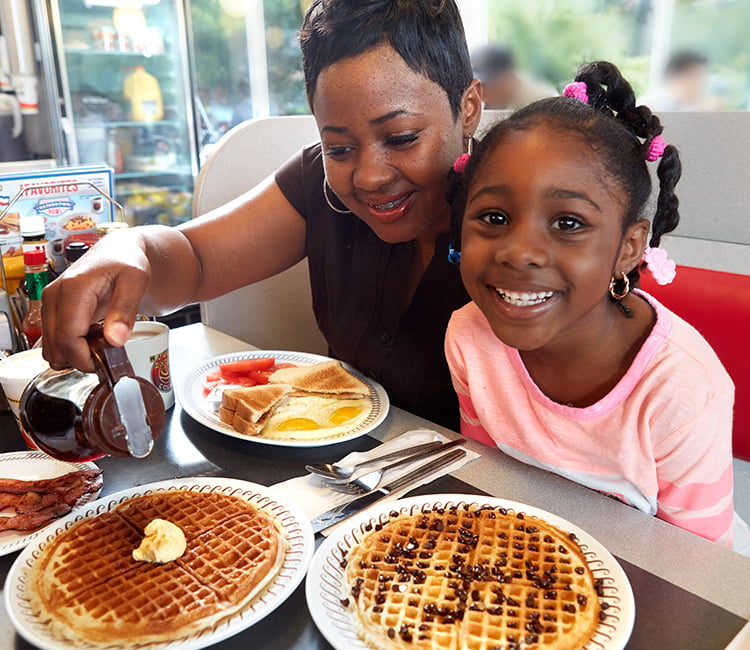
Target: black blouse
point(359, 285)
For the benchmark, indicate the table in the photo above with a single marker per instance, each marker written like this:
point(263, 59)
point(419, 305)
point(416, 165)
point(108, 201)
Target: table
point(689, 593)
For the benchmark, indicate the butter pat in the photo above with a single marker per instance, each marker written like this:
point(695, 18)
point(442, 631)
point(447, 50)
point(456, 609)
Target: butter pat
point(163, 542)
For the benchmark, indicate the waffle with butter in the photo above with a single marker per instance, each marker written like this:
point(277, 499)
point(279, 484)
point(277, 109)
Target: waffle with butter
point(86, 585)
point(471, 578)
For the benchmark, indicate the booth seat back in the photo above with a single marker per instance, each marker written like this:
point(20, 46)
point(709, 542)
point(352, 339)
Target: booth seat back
point(717, 304)
point(276, 313)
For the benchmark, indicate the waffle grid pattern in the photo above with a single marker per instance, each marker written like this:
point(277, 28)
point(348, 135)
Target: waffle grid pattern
point(298, 543)
point(338, 602)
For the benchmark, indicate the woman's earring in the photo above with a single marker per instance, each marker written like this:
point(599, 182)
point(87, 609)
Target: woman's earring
point(469, 143)
point(619, 295)
point(328, 200)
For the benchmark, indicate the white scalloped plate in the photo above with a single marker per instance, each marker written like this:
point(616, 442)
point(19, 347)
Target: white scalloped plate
point(295, 526)
point(30, 466)
point(190, 396)
point(325, 586)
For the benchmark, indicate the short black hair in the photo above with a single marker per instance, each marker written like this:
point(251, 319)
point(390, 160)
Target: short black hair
point(684, 60)
point(490, 60)
point(427, 34)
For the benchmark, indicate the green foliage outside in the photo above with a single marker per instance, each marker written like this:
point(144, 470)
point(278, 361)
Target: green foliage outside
point(551, 38)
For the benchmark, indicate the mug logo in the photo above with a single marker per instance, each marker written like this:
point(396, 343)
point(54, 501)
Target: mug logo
point(160, 376)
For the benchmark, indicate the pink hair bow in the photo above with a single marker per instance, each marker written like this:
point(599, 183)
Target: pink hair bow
point(460, 165)
point(577, 90)
point(656, 148)
point(661, 267)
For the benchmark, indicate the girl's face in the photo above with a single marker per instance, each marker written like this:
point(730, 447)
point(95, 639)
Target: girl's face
point(541, 238)
point(389, 139)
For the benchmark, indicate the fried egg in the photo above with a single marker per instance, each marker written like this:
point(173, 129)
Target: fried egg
point(314, 418)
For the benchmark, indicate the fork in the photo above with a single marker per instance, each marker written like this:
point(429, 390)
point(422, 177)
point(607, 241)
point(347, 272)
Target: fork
point(370, 481)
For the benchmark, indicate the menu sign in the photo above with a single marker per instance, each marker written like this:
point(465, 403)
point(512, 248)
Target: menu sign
point(72, 201)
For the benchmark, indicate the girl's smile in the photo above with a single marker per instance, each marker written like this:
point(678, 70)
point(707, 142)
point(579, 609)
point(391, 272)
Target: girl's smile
point(542, 236)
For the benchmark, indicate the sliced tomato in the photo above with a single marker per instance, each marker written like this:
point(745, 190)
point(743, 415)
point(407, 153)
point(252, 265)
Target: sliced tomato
point(247, 365)
point(208, 386)
point(212, 376)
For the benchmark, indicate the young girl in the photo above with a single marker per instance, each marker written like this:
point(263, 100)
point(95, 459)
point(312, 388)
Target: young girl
point(560, 360)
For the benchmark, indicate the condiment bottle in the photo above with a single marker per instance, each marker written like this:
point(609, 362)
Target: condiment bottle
point(74, 250)
point(76, 416)
point(35, 267)
point(33, 232)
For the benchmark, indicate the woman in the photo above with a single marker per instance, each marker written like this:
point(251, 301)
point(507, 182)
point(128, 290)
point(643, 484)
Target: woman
point(390, 86)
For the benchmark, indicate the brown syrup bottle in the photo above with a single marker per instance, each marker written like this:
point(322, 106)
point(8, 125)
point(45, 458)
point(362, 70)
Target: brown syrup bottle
point(74, 416)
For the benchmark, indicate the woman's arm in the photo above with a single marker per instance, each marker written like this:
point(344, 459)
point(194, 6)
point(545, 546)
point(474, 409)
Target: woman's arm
point(156, 269)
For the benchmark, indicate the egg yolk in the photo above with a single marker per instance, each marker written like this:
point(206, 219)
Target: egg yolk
point(297, 424)
point(344, 414)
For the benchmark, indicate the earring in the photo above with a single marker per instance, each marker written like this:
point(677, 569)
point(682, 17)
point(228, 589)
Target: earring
point(619, 295)
point(469, 143)
point(328, 200)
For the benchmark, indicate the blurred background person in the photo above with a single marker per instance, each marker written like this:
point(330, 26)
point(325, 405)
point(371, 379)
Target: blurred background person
point(684, 85)
point(503, 85)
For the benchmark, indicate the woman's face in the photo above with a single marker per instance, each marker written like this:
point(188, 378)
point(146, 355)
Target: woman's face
point(389, 139)
point(541, 238)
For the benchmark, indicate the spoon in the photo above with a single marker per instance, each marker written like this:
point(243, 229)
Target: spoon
point(335, 472)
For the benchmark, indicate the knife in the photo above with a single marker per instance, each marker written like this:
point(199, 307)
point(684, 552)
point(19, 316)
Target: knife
point(339, 513)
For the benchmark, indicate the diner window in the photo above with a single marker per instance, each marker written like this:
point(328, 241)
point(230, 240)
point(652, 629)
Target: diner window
point(247, 61)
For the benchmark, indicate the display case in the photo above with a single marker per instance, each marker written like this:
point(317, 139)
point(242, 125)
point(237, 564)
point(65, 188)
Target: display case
point(126, 89)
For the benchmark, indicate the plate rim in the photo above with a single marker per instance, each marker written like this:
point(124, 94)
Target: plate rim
point(183, 394)
point(289, 516)
point(18, 543)
point(328, 612)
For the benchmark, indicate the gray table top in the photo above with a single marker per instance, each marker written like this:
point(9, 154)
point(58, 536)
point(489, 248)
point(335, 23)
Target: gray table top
point(689, 593)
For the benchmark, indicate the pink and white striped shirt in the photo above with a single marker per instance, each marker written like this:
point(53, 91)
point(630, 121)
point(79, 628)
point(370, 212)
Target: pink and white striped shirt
point(659, 441)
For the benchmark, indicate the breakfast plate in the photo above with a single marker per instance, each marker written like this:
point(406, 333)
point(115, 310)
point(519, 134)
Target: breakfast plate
point(326, 589)
point(190, 394)
point(295, 527)
point(30, 466)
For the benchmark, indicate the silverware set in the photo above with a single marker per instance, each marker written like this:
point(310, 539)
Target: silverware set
point(348, 480)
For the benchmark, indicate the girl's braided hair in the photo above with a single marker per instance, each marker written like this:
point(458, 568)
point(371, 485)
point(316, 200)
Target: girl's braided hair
point(618, 131)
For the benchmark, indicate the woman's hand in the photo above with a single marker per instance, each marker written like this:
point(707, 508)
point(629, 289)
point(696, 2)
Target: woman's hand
point(108, 282)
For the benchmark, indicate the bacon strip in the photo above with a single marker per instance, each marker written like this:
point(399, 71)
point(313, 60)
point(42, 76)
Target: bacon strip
point(36, 503)
point(17, 486)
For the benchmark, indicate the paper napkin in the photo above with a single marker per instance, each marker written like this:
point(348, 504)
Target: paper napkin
point(312, 496)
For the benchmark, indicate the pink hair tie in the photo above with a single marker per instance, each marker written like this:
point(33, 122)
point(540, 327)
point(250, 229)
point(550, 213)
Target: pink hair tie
point(577, 90)
point(661, 267)
point(656, 149)
point(461, 163)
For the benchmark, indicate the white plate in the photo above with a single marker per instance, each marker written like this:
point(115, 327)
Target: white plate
point(190, 396)
point(299, 553)
point(30, 466)
point(325, 586)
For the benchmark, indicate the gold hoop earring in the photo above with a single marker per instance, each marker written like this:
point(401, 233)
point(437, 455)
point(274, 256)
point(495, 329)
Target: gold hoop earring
point(328, 200)
point(619, 295)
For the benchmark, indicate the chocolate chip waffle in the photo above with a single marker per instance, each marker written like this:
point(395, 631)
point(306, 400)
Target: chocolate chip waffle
point(89, 589)
point(471, 577)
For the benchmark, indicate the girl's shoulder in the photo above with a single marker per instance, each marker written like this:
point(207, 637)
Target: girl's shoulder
point(677, 346)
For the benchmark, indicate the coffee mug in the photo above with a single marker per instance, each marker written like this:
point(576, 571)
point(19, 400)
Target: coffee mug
point(148, 351)
point(16, 372)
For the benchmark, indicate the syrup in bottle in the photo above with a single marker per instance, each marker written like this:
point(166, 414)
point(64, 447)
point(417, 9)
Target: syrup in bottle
point(76, 416)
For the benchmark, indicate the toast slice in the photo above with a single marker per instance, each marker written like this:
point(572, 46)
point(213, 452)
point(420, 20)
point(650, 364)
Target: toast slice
point(327, 379)
point(246, 409)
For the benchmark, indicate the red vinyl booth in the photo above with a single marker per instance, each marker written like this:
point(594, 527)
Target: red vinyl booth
point(717, 304)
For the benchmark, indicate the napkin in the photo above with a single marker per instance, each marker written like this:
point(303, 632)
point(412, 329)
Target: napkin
point(312, 496)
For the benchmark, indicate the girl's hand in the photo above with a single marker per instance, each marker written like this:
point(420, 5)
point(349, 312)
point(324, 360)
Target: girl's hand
point(108, 282)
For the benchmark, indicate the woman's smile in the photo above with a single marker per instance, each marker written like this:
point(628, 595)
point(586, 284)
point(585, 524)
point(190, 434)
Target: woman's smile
point(390, 210)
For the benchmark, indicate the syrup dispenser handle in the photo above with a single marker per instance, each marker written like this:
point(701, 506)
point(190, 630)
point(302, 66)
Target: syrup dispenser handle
point(111, 363)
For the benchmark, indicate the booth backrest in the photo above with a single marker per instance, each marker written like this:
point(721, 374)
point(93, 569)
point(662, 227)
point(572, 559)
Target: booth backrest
point(717, 304)
point(275, 314)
